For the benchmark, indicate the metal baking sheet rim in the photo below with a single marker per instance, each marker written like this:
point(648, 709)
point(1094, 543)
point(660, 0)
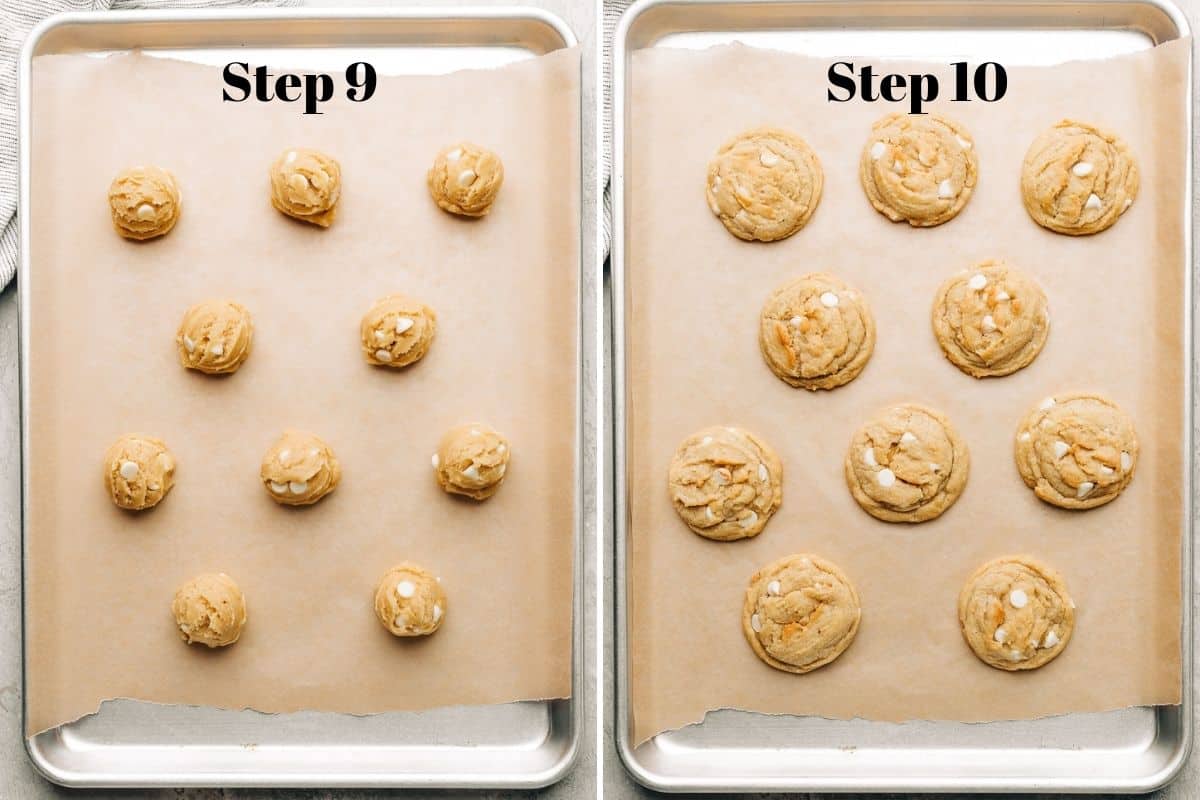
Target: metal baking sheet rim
point(560, 35)
point(1176, 25)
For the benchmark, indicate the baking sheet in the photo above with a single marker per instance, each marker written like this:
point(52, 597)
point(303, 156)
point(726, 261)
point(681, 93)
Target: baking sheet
point(102, 362)
point(1117, 309)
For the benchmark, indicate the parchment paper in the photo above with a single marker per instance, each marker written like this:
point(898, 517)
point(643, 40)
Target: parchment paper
point(104, 314)
point(1116, 306)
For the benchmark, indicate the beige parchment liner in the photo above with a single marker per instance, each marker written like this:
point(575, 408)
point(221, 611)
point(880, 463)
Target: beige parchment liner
point(102, 358)
point(1116, 314)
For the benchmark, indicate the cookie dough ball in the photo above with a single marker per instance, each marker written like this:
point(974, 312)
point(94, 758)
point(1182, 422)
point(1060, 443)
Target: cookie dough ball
point(816, 332)
point(306, 185)
point(299, 469)
point(725, 483)
point(145, 202)
point(1016, 614)
point(410, 601)
point(397, 331)
point(990, 320)
point(919, 170)
point(1078, 179)
point(764, 184)
point(465, 179)
point(210, 610)
point(214, 337)
point(471, 460)
point(800, 613)
point(1076, 450)
point(906, 464)
point(138, 471)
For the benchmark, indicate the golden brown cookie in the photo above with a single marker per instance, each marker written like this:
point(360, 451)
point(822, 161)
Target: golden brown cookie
point(725, 483)
point(138, 471)
point(816, 332)
point(465, 179)
point(990, 320)
point(214, 337)
point(306, 185)
point(918, 169)
point(764, 184)
point(397, 331)
point(800, 612)
point(210, 610)
point(145, 202)
point(1078, 179)
point(410, 601)
point(1016, 614)
point(906, 464)
point(1076, 450)
point(299, 469)
point(471, 460)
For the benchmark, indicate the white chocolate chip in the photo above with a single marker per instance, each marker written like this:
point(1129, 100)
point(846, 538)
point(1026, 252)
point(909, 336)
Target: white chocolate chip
point(189, 344)
point(466, 177)
point(749, 521)
point(153, 487)
point(145, 211)
point(1002, 295)
point(1082, 169)
point(1051, 639)
point(885, 477)
point(907, 437)
point(435, 461)
point(1093, 202)
point(945, 189)
point(129, 470)
point(500, 448)
point(1047, 403)
point(706, 440)
point(963, 143)
point(721, 476)
point(767, 158)
point(1018, 598)
point(1084, 489)
point(298, 182)
point(935, 467)
point(829, 299)
point(716, 182)
point(1105, 469)
point(877, 151)
point(1025, 436)
point(709, 515)
point(1015, 655)
point(298, 487)
point(1061, 449)
point(437, 612)
point(1128, 203)
point(869, 456)
point(381, 336)
point(897, 167)
point(383, 355)
point(314, 452)
point(755, 623)
point(471, 473)
point(978, 281)
point(284, 455)
point(796, 321)
point(500, 470)
point(762, 473)
point(406, 588)
point(989, 323)
point(1000, 635)
point(217, 349)
point(278, 488)
point(291, 156)
point(1072, 604)
point(774, 588)
point(1126, 461)
point(403, 324)
point(454, 155)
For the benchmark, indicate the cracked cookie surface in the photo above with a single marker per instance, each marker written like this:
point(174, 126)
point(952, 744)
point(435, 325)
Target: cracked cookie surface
point(306, 185)
point(1076, 450)
point(465, 179)
point(145, 202)
point(918, 169)
point(1015, 613)
point(139, 470)
point(1078, 179)
point(410, 601)
point(764, 184)
point(816, 332)
point(990, 320)
point(214, 337)
point(397, 331)
point(210, 610)
point(725, 483)
point(906, 464)
point(800, 613)
point(299, 469)
point(471, 460)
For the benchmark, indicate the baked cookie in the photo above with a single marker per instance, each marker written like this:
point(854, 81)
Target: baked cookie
point(210, 610)
point(1015, 613)
point(800, 613)
point(465, 179)
point(299, 469)
point(138, 471)
point(725, 483)
point(471, 460)
point(306, 185)
point(918, 169)
point(906, 464)
point(764, 184)
point(990, 320)
point(815, 332)
point(214, 337)
point(1078, 179)
point(410, 601)
point(1076, 450)
point(145, 202)
point(397, 331)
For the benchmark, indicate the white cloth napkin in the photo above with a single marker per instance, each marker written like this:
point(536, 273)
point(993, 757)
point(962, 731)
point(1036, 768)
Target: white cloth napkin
point(17, 17)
